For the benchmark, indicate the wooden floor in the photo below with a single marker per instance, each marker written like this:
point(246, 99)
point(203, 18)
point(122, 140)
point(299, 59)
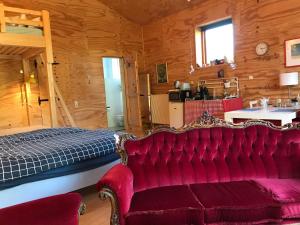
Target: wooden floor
point(98, 211)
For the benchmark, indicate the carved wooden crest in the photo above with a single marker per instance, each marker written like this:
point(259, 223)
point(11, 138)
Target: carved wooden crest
point(205, 121)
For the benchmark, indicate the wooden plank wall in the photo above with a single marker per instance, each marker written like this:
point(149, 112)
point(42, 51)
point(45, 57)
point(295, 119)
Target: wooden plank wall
point(13, 98)
point(171, 40)
point(83, 31)
point(12, 95)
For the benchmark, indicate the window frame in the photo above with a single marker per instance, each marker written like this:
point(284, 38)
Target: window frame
point(200, 45)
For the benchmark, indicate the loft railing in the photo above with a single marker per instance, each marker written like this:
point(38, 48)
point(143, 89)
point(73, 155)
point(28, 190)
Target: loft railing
point(21, 17)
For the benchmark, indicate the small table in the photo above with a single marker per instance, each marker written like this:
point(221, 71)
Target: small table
point(284, 115)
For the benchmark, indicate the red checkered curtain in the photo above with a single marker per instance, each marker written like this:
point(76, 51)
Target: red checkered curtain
point(195, 109)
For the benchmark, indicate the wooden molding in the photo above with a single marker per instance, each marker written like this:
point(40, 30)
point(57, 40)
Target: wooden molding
point(22, 40)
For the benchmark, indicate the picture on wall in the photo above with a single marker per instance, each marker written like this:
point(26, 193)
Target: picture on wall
point(162, 73)
point(292, 53)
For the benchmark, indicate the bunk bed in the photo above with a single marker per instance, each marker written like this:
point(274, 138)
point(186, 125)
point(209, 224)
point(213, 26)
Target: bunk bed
point(25, 34)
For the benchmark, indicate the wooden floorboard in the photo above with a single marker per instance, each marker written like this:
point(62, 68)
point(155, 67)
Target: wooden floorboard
point(98, 211)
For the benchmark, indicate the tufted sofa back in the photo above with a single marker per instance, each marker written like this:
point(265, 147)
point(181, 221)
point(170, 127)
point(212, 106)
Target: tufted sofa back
point(213, 155)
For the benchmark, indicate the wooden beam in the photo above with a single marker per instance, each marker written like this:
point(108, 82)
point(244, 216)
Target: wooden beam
point(22, 40)
point(32, 52)
point(22, 11)
point(49, 64)
point(18, 51)
point(14, 57)
point(26, 70)
point(24, 22)
point(64, 105)
point(42, 58)
point(2, 18)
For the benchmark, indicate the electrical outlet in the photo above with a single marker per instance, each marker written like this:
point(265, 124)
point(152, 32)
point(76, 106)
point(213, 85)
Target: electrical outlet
point(76, 104)
point(251, 77)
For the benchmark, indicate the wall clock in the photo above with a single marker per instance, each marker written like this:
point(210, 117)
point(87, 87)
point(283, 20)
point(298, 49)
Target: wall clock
point(262, 48)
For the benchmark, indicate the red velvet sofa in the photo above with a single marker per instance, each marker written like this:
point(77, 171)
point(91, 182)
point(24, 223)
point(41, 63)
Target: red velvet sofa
point(55, 210)
point(211, 173)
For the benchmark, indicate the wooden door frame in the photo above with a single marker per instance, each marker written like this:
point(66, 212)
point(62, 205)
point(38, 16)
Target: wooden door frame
point(123, 80)
point(124, 91)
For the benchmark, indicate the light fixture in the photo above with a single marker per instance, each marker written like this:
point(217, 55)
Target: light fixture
point(289, 79)
point(32, 79)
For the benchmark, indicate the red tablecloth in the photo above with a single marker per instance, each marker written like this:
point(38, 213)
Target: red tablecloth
point(194, 109)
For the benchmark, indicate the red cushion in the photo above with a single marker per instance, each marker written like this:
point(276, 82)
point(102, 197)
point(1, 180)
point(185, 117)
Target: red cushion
point(174, 205)
point(285, 191)
point(55, 210)
point(236, 202)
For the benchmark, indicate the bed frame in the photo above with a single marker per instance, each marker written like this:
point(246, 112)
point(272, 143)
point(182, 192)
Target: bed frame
point(54, 186)
point(28, 46)
point(25, 47)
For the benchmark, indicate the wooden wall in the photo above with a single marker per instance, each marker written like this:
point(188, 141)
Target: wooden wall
point(84, 31)
point(18, 96)
point(171, 40)
point(12, 95)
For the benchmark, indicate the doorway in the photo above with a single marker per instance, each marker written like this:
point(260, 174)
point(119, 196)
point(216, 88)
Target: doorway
point(113, 68)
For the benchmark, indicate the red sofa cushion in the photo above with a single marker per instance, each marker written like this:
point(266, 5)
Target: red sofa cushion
point(286, 192)
point(236, 202)
point(174, 205)
point(55, 210)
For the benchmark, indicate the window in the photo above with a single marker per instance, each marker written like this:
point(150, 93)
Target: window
point(215, 41)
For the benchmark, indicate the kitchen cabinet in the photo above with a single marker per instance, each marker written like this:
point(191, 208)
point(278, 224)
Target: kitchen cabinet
point(159, 109)
point(176, 112)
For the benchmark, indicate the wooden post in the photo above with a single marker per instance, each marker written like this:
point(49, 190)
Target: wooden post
point(26, 71)
point(2, 18)
point(49, 64)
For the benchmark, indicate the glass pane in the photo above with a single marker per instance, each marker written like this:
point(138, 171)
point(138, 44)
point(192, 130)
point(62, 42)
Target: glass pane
point(219, 43)
point(113, 92)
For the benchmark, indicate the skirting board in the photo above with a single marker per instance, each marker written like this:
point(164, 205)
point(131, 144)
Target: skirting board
point(54, 186)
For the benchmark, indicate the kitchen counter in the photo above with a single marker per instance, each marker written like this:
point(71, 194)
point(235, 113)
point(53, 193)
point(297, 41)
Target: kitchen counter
point(283, 115)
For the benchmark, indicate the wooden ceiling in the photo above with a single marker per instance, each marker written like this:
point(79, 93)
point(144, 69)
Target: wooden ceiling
point(144, 11)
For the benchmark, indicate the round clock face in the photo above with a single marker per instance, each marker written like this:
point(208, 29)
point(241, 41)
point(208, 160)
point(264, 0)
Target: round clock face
point(262, 48)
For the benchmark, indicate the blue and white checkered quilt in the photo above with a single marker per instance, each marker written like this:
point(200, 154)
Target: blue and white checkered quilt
point(34, 152)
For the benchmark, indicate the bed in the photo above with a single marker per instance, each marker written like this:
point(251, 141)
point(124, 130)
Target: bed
point(26, 34)
point(52, 161)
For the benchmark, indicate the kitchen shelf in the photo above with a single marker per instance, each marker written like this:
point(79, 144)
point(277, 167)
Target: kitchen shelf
point(220, 83)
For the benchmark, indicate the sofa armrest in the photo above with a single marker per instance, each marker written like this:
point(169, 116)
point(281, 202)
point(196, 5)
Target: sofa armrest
point(59, 210)
point(117, 185)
